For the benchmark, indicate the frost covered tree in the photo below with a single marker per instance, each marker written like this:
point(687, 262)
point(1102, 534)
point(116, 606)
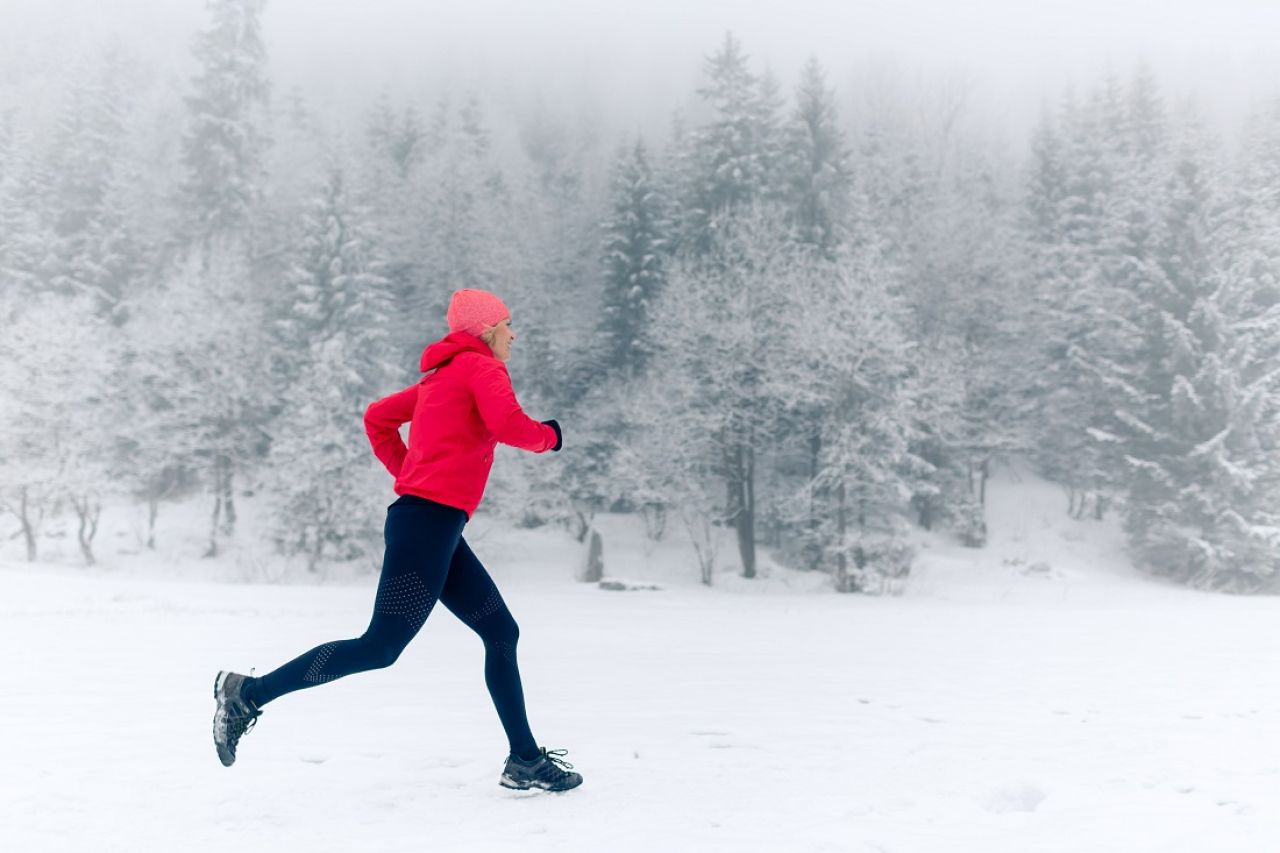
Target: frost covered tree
point(223, 145)
point(967, 313)
point(852, 371)
point(1203, 475)
point(29, 257)
point(666, 465)
point(338, 351)
point(637, 251)
point(398, 143)
point(817, 167)
point(60, 427)
point(559, 206)
point(1081, 257)
point(214, 276)
point(198, 346)
point(450, 229)
point(734, 157)
point(93, 171)
point(723, 334)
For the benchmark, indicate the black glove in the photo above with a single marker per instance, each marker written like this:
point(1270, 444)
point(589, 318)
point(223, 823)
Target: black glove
point(555, 425)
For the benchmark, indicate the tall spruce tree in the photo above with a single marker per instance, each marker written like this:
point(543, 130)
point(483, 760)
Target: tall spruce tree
point(223, 145)
point(735, 153)
point(1077, 249)
point(222, 151)
point(98, 251)
point(818, 172)
point(1203, 472)
point(637, 252)
point(337, 334)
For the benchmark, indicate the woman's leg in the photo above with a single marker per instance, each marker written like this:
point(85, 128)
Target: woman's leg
point(471, 595)
point(420, 540)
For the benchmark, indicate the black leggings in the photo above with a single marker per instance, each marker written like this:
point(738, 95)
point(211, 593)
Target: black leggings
point(426, 560)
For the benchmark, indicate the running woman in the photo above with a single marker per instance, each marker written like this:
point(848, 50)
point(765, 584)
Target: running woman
point(458, 412)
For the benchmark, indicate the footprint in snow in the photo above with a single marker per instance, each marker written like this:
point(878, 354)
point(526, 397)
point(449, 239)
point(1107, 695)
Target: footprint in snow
point(1016, 797)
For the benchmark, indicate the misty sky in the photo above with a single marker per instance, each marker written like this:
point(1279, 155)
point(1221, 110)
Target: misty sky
point(642, 57)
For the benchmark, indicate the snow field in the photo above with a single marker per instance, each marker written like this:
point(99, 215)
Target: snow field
point(1071, 708)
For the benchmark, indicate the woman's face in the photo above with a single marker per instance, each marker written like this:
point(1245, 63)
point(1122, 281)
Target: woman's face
point(502, 338)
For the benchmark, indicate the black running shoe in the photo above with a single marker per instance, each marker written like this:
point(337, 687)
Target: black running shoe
point(234, 716)
point(548, 771)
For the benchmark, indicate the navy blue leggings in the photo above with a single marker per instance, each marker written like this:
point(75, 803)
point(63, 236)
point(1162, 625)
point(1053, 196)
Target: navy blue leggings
point(426, 560)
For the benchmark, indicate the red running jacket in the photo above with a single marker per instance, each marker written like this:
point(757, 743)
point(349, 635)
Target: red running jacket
point(457, 414)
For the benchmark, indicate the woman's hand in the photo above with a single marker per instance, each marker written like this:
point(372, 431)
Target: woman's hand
point(555, 425)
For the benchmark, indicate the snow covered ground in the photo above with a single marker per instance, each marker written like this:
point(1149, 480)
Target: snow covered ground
point(1037, 695)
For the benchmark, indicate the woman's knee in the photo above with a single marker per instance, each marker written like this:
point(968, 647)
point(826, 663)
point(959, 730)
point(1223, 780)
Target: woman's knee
point(381, 652)
point(500, 628)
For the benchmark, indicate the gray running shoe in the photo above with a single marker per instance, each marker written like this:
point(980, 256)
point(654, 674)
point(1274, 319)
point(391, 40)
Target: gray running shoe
point(548, 771)
point(234, 716)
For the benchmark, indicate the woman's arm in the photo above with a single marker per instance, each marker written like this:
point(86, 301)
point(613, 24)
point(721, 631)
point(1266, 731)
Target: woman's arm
point(382, 422)
point(501, 413)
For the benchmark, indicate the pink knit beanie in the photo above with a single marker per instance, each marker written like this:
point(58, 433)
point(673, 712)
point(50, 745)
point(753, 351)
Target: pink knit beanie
point(474, 311)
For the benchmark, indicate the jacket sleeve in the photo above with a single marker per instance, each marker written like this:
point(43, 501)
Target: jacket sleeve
point(501, 413)
point(382, 422)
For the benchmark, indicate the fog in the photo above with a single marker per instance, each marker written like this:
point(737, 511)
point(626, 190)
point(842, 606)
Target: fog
point(1004, 211)
point(643, 59)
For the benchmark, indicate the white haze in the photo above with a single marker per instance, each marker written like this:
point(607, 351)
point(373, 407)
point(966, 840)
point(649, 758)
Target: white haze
point(629, 65)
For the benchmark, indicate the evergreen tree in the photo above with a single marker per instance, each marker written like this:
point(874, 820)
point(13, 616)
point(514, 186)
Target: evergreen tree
point(819, 178)
point(561, 241)
point(204, 358)
point(398, 143)
point(1203, 472)
point(637, 249)
point(338, 287)
point(1078, 250)
point(222, 151)
point(458, 224)
point(325, 487)
point(29, 257)
point(223, 145)
point(736, 152)
point(97, 250)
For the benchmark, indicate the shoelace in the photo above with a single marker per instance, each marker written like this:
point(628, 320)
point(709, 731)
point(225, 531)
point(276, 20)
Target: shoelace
point(254, 712)
point(555, 756)
point(241, 724)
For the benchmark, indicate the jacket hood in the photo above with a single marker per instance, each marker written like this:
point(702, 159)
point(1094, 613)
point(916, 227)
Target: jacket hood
point(440, 352)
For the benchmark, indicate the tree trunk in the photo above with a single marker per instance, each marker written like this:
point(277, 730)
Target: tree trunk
point(815, 447)
point(702, 536)
point(217, 511)
point(584, 519)
point(313, 557)
point(88, 511)
point(28, 528)
point(593, 569)
point(229, 517)
point(153, 510)
point(842, 565)
point(746, 525)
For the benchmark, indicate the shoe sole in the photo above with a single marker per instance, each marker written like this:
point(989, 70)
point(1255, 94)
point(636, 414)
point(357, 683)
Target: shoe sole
point(226, 756)
point(507, 782)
